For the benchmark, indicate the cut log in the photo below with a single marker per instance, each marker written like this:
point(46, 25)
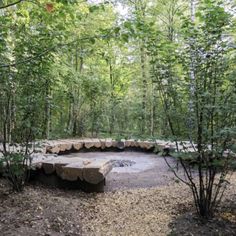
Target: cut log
point(114, 143)
point(151, 145)
point(48, 167)
point(77, 145)
point(97, 143)
point(88, 143)
point(36, 165)
point(54, 148)
point(141, 144)
point(129, 143)
point(147, 145)
point(58, 168)
point(103, 143)
point(108, 143)
point(65, 146)
point(96, 171)
point(56, 163)
point(73, 171)
point(161, 144)
point(92, 171)
point(120, 145)
point(136, 143)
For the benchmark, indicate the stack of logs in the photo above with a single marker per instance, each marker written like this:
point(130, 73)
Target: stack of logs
point(61, 171)
point(69, 145)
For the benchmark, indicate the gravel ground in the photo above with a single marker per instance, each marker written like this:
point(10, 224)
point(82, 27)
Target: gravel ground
point(164, 208)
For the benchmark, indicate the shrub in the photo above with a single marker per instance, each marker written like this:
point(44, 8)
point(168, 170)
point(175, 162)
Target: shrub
point(15, 168)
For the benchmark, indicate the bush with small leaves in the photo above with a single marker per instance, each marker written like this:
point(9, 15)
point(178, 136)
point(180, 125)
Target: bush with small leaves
point(15, 168)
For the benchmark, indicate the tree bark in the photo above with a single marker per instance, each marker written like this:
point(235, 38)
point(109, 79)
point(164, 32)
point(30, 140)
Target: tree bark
point(112, 110)
point(144, 87)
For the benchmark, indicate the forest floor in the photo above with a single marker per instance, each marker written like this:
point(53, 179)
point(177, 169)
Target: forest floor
point(162, 208)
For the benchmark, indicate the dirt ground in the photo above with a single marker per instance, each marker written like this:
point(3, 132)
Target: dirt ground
point(157, 206)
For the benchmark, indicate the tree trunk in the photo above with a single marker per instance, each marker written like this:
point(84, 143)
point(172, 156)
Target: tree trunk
point(112, 110)
point(76, 93)
point(192, 74)
point(144, 87)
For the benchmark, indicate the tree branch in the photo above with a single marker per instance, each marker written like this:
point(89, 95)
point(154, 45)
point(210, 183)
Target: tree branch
point(11, 4)
point(174, 172)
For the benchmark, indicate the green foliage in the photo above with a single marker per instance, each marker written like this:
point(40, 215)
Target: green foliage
point(15, 168)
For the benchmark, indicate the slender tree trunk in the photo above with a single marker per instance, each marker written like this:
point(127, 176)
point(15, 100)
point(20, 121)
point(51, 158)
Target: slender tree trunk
point(152, 113)
point(144, 87)
point(74, 123)
point(47, 111)
point(192, 75)
point(112, 111)
point(79, 62)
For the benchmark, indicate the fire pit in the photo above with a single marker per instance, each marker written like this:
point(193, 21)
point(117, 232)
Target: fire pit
point(122, 163)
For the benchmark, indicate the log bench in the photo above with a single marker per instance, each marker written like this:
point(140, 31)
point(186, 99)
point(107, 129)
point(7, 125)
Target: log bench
point(86, 174)
point(75, 145)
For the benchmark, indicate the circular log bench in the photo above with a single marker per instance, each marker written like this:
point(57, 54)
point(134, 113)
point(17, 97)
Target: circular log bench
point(88, 175)
point(50, 167)
point(53, 168)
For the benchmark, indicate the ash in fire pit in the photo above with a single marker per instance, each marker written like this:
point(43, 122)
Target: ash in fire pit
point(122, 163)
